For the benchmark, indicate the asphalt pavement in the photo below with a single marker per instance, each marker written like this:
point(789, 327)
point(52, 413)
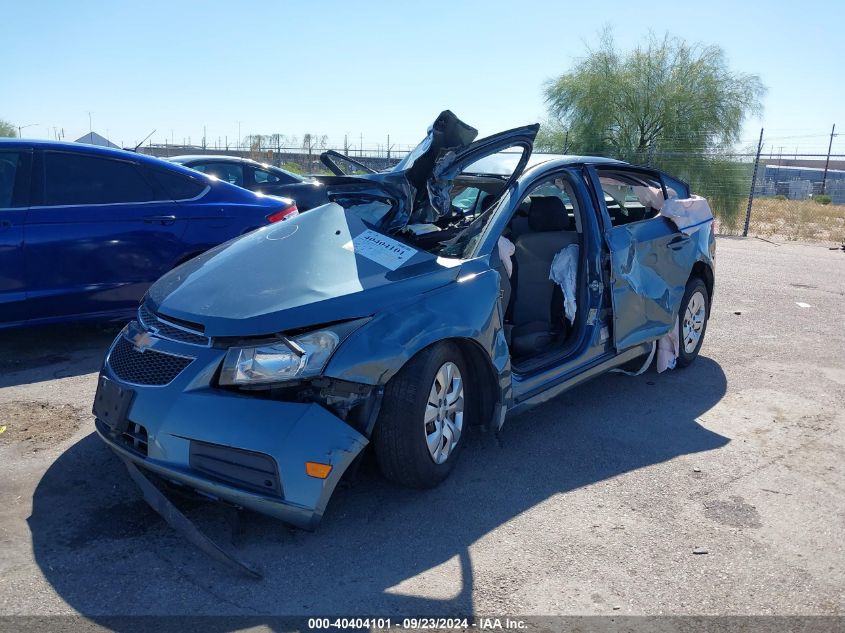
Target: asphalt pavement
point(717, 489)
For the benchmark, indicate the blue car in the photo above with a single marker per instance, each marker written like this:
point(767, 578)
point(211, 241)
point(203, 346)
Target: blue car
point(471, 280)
point(85, 230)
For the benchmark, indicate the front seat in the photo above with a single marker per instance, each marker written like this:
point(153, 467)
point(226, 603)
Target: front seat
point(550, 231)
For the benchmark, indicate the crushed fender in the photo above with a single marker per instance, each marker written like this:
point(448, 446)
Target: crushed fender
point(183, 525)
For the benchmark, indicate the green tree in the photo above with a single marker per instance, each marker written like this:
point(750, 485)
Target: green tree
point(669, 104)
point(7, 129)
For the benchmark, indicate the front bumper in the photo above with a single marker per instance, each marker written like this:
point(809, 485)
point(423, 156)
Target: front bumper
point(167, 423)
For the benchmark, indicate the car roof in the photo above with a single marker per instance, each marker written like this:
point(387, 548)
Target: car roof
point(92, 150)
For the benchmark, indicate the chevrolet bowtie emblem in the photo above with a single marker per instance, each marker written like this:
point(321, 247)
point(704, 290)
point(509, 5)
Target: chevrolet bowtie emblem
point(143, 341)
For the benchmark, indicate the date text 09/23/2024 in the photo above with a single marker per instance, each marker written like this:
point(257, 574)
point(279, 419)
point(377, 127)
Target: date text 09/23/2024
point(483, 624)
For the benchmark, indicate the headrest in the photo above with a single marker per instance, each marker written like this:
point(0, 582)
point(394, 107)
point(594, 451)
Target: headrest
point(547, 213)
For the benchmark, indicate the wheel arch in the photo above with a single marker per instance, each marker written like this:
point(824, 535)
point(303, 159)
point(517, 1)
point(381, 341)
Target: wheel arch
point(483, 378)
point(703, 271)
point(482, 375)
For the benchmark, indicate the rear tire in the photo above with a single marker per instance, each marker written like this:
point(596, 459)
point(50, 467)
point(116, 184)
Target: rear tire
point(692, 321)
point(423, 418)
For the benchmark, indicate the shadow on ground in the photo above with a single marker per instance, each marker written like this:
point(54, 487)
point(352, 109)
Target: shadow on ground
point(106, 553)
point(36, 354)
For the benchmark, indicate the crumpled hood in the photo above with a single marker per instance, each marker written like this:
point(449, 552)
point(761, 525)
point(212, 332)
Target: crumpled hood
point(321, 266)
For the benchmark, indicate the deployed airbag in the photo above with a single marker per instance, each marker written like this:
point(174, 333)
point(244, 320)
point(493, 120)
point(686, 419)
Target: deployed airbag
point(564, 272)
point(688, 214)
point(506, 251)
point(667, 349)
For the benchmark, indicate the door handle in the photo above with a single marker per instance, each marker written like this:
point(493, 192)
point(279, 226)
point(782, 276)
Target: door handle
point(161, 219)
point(679, 242)
point(5, 224)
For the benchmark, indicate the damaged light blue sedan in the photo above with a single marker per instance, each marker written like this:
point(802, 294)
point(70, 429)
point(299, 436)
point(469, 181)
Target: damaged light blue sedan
point(468, 281)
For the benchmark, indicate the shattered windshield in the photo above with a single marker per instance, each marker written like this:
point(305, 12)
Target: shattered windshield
point(371, 209)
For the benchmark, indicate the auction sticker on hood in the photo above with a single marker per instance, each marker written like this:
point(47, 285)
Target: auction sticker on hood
point(380, 249)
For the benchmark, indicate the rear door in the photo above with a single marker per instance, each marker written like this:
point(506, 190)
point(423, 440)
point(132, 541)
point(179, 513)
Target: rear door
point(650, 259)
point(101, 232)
point(14, 200)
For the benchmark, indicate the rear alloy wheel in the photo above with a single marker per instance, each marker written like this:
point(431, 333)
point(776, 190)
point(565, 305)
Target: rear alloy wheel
point(692, 321)
point(418, 434)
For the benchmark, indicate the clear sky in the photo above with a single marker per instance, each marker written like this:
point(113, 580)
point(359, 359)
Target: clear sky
point(379, 68)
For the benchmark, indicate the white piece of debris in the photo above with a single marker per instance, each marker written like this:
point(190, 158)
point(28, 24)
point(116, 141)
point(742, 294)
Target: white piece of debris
point(506, 251)
point(564, 273)
point(801, 304)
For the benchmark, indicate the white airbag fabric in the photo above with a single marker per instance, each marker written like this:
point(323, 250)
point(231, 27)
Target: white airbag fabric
point(688, 214)
point(667, 349)
point(506, 251)
point(564, 272)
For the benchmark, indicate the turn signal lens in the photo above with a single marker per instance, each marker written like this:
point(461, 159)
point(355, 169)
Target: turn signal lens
point(315, 469)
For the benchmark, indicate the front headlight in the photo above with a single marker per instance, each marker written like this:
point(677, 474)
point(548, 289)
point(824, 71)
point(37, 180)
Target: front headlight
point(293, 358)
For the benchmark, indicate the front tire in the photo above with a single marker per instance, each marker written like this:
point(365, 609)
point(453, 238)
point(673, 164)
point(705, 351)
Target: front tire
point(423, 418)
point(692, 321)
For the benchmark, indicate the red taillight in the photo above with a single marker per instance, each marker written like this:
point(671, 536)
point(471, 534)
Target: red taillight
point(283, 214)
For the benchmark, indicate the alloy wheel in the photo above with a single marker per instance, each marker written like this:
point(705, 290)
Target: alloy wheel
point(693, 324)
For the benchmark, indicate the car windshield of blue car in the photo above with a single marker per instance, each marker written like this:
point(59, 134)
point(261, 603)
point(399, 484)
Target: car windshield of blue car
point(455, 234)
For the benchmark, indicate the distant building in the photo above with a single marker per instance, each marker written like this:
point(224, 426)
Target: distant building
point(92, 138)
point(799, 189)
point(798, 182)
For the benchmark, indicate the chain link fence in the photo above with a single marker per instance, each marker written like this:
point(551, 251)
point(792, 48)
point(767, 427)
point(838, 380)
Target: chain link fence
point(797, 197)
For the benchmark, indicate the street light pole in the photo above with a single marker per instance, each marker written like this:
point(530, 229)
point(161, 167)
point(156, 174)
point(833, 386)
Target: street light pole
point(23, 127)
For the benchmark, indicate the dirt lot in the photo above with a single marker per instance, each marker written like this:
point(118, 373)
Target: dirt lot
point(595, 503)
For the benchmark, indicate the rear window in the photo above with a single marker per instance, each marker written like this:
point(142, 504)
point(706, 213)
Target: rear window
point(77, 179)
point(227, 172)
point(177, 186)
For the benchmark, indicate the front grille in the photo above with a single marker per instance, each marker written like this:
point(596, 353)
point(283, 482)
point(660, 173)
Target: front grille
point(165, 329)
point(238, 467)
point(134, 438)
point(145, 368)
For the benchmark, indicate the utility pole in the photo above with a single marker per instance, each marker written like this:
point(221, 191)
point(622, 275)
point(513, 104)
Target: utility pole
point(753, 182)
point(827, 162)
point(90, 128)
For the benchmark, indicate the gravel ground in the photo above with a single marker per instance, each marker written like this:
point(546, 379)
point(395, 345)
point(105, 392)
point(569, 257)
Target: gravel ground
point(595, 503)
